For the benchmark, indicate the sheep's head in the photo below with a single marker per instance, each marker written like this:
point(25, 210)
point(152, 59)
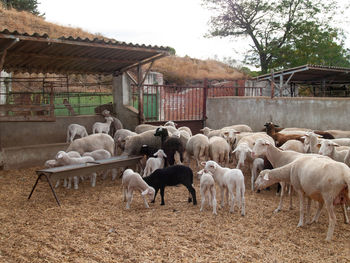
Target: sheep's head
point(230, 136)
point(160, 153)
point(327, 147)
point(202, 172)
point(209, 166)
point(260, 148)
point(109, 119)
point(242, 151)
point(263, 180)
point(206, 130)
point(162, 132)
point(150, 192)
point(170, 123)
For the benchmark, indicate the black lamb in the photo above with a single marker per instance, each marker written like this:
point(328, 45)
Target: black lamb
point(172, 176)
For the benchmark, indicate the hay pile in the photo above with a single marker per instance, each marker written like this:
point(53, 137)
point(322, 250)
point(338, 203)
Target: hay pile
point(93, 226)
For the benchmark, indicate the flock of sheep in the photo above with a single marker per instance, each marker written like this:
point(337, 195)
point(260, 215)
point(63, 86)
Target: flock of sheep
point(314, 164)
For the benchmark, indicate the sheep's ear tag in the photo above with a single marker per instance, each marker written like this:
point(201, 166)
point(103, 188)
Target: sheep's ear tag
point(266, 177)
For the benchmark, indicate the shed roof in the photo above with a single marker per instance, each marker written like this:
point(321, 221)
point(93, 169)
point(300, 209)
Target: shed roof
point(312, 75)
point(21, 52)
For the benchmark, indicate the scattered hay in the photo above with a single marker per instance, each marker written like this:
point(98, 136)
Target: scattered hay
point(93, 226)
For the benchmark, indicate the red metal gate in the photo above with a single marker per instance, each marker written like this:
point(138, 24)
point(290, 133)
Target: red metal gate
point(186, 105)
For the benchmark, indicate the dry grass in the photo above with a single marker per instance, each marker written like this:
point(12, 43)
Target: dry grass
point(93, 226)
point(181, 70)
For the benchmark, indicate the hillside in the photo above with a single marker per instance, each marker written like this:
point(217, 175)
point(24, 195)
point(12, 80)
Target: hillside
point(175, 69)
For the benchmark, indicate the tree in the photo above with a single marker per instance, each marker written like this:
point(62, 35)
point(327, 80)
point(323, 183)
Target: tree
point(23, 5)
point(271, 25)
point(311, 44)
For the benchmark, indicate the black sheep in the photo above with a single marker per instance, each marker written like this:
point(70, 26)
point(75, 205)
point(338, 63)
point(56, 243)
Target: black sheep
point(171, 176)
point(170, 145)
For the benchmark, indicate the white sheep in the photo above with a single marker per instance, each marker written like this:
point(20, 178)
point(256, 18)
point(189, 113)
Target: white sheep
point(321, 179)
point(100, 154)
point(258, 166)
point(56, 163)
point(328, 148)
point(219, 150)
point(198, 148)
point(119, 138)
point(170, 123)
point(102, 127)
point(228, 179)
point(186, 129)
point(75, 129)
point(207, 189)
point(133, 181)
point(153, 164)
point(91, 143)
point(293, 145)
point(64, 159)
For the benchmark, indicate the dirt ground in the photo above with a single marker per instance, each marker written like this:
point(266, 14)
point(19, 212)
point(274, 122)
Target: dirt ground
point(92, 225)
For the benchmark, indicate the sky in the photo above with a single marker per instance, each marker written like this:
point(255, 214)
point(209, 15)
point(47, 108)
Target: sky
point(180, 24)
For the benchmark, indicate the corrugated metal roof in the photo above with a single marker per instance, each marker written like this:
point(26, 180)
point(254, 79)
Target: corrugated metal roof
point(37, 53)
point(312, 74)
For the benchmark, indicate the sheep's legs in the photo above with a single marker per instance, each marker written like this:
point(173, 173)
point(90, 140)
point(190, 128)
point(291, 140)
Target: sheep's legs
point(93, 179)
point(193, 193)
point(240, 193)
point(290, 192)
point(203, 200)
point(57, 183)
point(332, 219)
point(76, 181)
point(346, 218)
point(222, 197)
point(162, 195)
point(279, 208)
point(145, 201)
point(232, 201)
point(318, 212)
point(301, 208)
point(155, 194)
point(308, 209)
point(129, 195)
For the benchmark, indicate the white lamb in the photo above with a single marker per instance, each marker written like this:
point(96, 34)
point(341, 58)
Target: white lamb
point(101, 154)
point(258, 166)
point(133, 181)
point(153, 164)
point(64, 159)
point(56, 163)
point(328, 148)
point(75, 129)
point(207, 189)
point(102, 127)
point(228, 179)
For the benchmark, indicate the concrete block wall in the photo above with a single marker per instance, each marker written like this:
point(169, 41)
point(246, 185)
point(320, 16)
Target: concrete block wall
point(312, 113)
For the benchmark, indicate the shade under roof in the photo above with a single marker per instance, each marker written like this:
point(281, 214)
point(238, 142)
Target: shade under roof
point(66, 55)
point(312, 75)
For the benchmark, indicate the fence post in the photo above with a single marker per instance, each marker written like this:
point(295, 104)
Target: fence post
point(205, 94)
point(52, 106)
point(272, 84)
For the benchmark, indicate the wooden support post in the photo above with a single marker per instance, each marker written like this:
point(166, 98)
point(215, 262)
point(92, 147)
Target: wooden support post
point(281, 85)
